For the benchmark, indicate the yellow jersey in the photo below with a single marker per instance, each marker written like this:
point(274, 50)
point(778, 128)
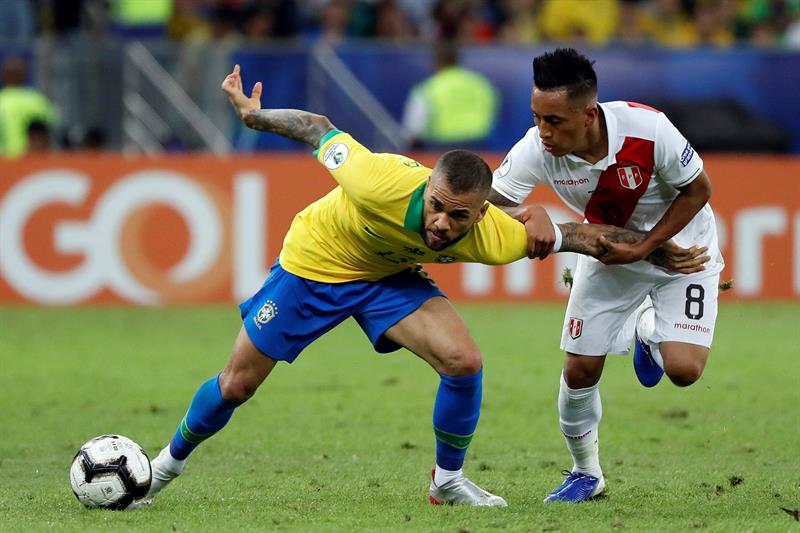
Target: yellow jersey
point(371, 226)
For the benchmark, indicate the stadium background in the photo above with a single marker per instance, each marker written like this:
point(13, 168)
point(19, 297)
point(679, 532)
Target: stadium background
point(135, 86)
point(149, 199)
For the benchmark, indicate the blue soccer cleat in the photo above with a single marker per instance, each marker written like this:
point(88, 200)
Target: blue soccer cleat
point(577, 488)
point(647, 370)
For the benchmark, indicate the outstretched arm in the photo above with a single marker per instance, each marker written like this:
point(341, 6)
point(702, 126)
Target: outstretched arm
point(541, 235)
point(588, 239)
point(293, 124)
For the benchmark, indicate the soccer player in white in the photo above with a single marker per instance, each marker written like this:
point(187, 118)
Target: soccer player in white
point(623, 164)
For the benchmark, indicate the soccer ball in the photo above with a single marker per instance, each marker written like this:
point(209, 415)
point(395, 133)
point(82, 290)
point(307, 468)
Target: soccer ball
point(110, 471)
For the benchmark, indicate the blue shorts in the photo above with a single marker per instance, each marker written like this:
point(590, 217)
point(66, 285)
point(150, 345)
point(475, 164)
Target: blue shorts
point(289, 312)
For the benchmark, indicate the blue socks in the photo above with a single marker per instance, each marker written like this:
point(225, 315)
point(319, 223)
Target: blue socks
point(455, 417)
point(208, 413)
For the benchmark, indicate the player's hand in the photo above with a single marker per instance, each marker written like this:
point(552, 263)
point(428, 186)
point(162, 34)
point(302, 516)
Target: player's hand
point(682, 260)
point(541, 235)
point(621, 253)
point(232, 85)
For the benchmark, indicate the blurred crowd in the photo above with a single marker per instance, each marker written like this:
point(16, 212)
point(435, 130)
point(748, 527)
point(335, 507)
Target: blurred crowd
point(669, 23)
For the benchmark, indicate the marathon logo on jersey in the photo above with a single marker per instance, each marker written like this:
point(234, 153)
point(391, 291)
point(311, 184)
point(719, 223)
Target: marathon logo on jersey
point(575, 327)
point(692, 327)
point(445, 259)
point(630, 177)
point(335, 156)
point(687, 155)
point(572, 181)
point(267, 312)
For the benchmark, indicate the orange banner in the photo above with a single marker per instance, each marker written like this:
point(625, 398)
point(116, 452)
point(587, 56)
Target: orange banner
point(196, 229)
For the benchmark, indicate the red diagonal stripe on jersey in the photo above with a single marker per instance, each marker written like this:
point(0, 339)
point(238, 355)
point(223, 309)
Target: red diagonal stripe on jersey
point(611, 203)
point(643, 106)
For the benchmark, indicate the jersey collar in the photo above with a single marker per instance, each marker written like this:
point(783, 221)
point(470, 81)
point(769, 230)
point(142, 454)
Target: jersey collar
point(413, 220)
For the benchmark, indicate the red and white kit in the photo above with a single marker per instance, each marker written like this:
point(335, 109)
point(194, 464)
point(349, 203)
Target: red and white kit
point(631, 187)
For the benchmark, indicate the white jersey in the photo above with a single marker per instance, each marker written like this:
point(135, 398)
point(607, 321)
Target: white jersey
point(631, 187)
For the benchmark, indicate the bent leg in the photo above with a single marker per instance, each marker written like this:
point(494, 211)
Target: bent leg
point(438, 335)
point(214, 402)
point(683, 363)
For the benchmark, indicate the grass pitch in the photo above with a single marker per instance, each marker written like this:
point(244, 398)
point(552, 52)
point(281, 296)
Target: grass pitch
point(342, 441)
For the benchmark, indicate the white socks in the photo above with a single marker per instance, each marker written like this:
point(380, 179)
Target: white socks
point(442, 476)
point(579, 412)
point(645, 327)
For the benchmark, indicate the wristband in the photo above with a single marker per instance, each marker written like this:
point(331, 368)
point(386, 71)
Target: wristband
point(557, 244)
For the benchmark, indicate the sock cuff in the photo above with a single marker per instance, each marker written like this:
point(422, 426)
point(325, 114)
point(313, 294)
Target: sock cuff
point(577, 393)
point(463, 382)
point(216, 391)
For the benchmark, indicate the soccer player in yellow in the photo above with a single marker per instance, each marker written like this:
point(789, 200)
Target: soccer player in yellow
point(355, 252)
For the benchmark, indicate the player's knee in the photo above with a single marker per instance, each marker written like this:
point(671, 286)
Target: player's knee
point(463, 361)
point(580, 375)
point(684, 364)
point(684, 373)
point(236, 386)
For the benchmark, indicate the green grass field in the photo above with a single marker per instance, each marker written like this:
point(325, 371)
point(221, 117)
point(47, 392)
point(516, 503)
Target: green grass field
point(342, 439)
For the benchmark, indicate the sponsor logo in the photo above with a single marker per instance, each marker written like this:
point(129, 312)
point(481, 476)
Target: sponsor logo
point(575, 327)
point(688, 153)
point(267, 312)
point(572, 182)
point(335, 156)
point(629, 177)
point(692, 327)
point(578, 437)
point(445, 259)
point(504, 167)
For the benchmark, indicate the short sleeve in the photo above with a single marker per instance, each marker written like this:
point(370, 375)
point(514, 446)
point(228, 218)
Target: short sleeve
point(359, 171)
point(676, 162)
point(521, 170)
point(500, 239)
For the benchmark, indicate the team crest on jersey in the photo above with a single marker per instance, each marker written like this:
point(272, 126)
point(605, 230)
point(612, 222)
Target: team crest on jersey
point(267, 312)
point(630, 177)
point(410, 163)
point(335, 156)
point(445, 259)
point(575, 327)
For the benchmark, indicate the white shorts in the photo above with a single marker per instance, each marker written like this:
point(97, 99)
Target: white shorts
point(600, 313)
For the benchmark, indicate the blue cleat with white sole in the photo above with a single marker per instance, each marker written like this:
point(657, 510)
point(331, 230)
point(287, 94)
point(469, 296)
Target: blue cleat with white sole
point(577, 488)
point(647, 370)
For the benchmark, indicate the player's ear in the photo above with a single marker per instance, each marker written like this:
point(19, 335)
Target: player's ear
point(592, 113)
point(482, 212)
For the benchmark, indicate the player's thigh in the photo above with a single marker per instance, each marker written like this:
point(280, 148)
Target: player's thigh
point(437, 334)
point(685, 317)
point(686, 310)
point(600, 304)
point(247, 368)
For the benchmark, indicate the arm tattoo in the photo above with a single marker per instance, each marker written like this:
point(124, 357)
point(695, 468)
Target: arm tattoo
point(499, 200)
point(582, 238)
point(293, 124)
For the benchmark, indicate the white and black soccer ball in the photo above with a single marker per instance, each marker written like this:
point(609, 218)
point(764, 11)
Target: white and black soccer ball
point(111, 472)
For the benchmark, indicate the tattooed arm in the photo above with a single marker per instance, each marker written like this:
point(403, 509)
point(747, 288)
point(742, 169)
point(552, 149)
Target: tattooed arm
point(585, 239)
point(290, 123)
